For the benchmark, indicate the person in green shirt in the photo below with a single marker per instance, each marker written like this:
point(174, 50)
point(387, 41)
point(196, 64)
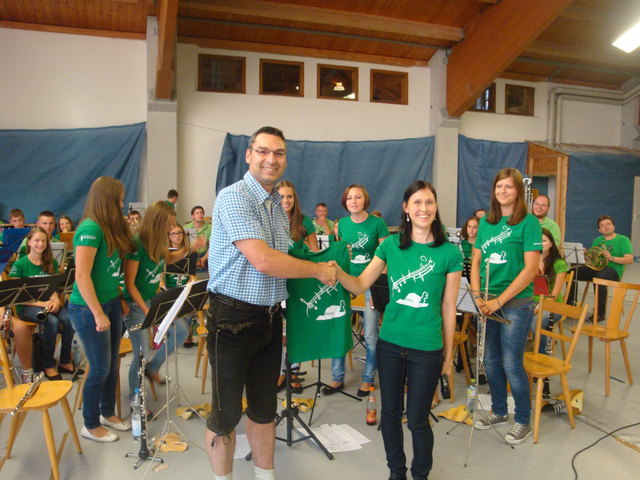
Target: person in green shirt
point(363, 233)
point(143, 271)
point(540, 208)
point(505, 261)
point(301, 229)
point(618, 252)
point(172, 198)
point(322, 224)
point(468, 234)
point(101, 241)
point(47, 222)
point(39, 262)
point(416, 339)
point(203, 229)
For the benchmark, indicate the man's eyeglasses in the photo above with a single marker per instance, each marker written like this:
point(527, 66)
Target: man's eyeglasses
point(264, 152)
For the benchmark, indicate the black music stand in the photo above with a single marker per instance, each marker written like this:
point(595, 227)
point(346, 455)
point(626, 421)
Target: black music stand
point(185, 266)
point(12, 240)
point(29, 290)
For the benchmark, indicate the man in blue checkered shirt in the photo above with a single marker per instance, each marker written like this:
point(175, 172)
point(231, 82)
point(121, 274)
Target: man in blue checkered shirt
point(248, 268)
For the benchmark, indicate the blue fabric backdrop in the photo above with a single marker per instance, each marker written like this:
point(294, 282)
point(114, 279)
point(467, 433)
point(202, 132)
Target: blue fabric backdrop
point(599, 184)
point(478, 163)
point(322, 170)
point(53, 169)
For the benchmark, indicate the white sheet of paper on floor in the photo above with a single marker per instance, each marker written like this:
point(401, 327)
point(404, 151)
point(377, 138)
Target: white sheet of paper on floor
point(242, 446)
point(337, 438)
point(484, 403)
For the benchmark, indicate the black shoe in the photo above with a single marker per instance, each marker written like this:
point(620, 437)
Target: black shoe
point(53, 377)
point(297, 389)
point(62, 369)
point(393, 476)
point(362, 393)
point(482, 379)
point(331, 390)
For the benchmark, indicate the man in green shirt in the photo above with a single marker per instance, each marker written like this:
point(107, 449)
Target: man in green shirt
point(618, 252)
point(172, 197)
point(540, 208)
point(203, 229)
point(47, 222)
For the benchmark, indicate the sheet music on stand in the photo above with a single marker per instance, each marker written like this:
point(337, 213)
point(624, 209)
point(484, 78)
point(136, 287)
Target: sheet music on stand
point(172, 313)
point(466, 301)
point(186, 266)
point(29, 290)
point(573, 253)
point(59, 251)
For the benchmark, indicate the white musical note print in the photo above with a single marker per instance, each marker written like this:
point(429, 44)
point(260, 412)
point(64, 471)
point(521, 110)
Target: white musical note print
point(426, 266)
point(497, 239)
point(362, 241)
point(312, 304)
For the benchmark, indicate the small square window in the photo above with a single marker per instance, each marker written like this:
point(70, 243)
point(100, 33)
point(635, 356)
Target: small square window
point(281, 78)
point(519, 100)
point(389, 87)
point(218, 73)
point(487, 101)
point(339, 83)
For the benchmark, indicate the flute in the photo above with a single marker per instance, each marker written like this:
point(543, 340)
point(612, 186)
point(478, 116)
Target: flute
point(29, 393)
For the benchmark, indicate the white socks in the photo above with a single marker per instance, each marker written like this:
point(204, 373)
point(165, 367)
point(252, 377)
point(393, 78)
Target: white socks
point(228, 476)
point(262, 474)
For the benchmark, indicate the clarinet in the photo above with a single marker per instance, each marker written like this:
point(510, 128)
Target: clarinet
point(29, 393)
point(144, 448)
point(5, 323)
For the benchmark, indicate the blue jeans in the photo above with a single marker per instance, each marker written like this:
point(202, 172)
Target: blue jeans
point(140, 343)
point(503, 360)
point(51, 326)
point(101, 349)
point(371, 318)
point(420, 369)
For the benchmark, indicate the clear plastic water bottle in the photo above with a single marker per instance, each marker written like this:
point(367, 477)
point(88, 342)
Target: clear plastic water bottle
point(372, 410)
point(472, 393)
point(136, 415)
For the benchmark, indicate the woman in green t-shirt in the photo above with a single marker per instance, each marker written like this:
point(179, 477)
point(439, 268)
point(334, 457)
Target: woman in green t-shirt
point(301, 229)
point(142, 275)
point(468, 235)
point(504, 263)
point(101, 241)
point(363, 233)
point(416, 338)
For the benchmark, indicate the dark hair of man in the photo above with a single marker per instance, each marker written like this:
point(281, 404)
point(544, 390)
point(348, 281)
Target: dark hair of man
point(103, 207)
point(605, 217)
point(172, 193)
point(545, 196)
point(46, 213)
point(16, 212)
point(464, 234)
point(321, 204)
point(47, 253)
point(193, 210)
point(345, 194)
point(520, 207)
point(296, 227)
point(475, 213)
point(552, 256)
point(406, 226)
point(268, 131)
point(133, 212)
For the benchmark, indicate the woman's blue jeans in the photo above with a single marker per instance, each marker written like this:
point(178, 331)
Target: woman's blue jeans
point(51, 326)
point(370, 320)
point(420, 369)
point(140, 343)
point(101, 349)
point(503, 360)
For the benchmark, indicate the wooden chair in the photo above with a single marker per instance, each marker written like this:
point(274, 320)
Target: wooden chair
point(49, 394)
point(613, 330)
point(459, 343)
point(568, 279)
point(540, 366)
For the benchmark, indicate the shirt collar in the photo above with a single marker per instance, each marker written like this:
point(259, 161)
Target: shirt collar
point(259, 192)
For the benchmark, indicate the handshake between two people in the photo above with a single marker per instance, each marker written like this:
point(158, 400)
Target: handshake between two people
point(329, 272)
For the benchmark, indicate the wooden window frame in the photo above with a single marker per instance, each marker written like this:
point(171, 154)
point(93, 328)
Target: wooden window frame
point(525, 88)
point(492, 100)
point(300, 92)
point(204, 56)
point(404, 86)
point(353, 71)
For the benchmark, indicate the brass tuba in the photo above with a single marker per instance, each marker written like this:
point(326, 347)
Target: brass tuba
point(594, 257)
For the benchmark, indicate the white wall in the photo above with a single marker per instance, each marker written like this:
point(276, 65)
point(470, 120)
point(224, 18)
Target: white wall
point(590, 123)
point(630, 134)
point(205, 117)
point(53, 80)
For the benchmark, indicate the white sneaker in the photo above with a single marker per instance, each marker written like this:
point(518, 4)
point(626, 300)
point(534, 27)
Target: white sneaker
point(108, 438)
point(517, 434)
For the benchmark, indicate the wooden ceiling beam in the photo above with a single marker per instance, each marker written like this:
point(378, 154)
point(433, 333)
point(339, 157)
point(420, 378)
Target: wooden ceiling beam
point(167, 28)
point(596, 15)
point(530, 77)
point(500, 35)
point(302, 51)
point(574, 54)
point(327, 17)
point(72, 30)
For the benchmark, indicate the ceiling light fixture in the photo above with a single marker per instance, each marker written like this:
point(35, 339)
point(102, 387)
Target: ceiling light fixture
point(338, 87)
point(629, 40)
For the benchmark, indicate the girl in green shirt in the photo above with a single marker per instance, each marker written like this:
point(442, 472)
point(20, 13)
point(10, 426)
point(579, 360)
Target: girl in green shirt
point(301, 229)
point(416, 339)
point(505, 262)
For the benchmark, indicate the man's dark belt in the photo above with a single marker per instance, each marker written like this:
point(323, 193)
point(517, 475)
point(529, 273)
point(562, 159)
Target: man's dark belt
point(232, 302)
